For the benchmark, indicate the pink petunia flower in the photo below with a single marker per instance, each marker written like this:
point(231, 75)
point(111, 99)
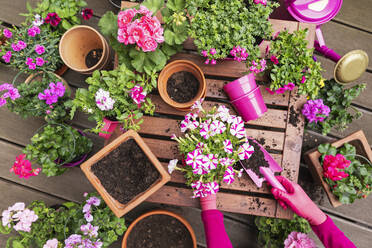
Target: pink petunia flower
point(137, 94)
point(227, 146)
point(194, 158)
point(206, 61)
point(237, 129)
point(289, 86)
point(228, 177)
point(274, 59)
point(212, 51)
point(245, 151)
point(212, 187)
point(204, 53)
point(198, 105)
point(218, 127)
point(213, 62)
point(270, 91)
point(206, 131)
point(280, 91)
point(223, 113)
point(227, 161)
point(210, 161)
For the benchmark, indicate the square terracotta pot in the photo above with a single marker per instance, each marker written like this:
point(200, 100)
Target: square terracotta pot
point(357, 139)
point(116, 207)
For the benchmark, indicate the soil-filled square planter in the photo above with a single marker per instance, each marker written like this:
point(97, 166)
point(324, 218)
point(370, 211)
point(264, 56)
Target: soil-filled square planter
point(125, 173)
point(312, 157)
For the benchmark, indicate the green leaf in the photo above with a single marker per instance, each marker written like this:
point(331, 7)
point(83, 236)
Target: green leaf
point(17, 244)
point(169, 37)
point(154, 5)
point(108, 24)
point(176, 5)
point(66, 25)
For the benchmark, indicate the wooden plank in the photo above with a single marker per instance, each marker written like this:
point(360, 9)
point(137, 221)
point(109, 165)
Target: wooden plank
point(9, 11)
point(356, 14)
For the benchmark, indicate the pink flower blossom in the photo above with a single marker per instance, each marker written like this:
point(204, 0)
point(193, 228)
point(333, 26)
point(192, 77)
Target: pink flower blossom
point(137, 94)
point(223, 113)
point(90, 230)
point(7, 56)
point(206, 61)
point(227, 146)
point(21, 44)
point(218, 127)
point(144, 10)
point(211, 161)
point(22, 167)
point(32, 66)
point(237, 129)
point(15, 47)
point(2, 101)
point(198, 105)
point(191, 116)
point(201, 146)
point(299, 240)
point(239, 53)
point(172, 165)
point(194, 158)
point(289, 86)
point(52, 243)
point(263, 2)
point(39, 49)
point(213, 62)
point(280, 91)
point(125, 17)
point(40, 61)
point(206, 131)
point(212, 51)
point(7, 33)
point(103, 100)
point(245, 151)
point(204, 53)
point(227, 161)
point(270, 91)
point(87, 13)
point(333, 167)
point(33, 31)
point(274, 59)
point(53, 19)
point(148, 44)
point(228, 177)
point(212, 187)
point(315, 110)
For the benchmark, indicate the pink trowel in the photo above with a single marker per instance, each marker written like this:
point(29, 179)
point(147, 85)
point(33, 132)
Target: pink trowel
point(267, 172)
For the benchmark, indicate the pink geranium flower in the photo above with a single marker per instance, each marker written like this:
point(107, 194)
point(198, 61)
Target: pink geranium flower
point(333, 167)
point(22, 167)
point(299, 240)
point(125, 17)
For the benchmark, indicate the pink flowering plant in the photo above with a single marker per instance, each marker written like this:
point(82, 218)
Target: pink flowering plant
point(245, 25)
point(299, 240)
point(118, 95)
point(291, 65)
point(142, 41)
point(70, 225)
point(348, 174)
point(213, 142)
point(315, 110)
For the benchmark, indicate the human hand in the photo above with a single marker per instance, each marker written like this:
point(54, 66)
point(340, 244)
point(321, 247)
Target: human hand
point(208, 202)
point(298, 201)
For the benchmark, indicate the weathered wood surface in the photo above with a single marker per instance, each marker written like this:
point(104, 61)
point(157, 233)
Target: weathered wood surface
point(356, 14)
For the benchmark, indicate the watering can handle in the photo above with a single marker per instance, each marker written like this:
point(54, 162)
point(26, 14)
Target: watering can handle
point(270, 177)
point(327, 52)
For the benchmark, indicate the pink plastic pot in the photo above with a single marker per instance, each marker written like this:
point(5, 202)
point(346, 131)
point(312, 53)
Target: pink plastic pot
point(250, 106)
point(108, 128)
point(240, 86)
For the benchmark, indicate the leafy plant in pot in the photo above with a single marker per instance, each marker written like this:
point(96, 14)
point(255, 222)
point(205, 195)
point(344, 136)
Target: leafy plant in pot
point(118, 95)
point(71, 224)
point(55, 147)
point(149, 51)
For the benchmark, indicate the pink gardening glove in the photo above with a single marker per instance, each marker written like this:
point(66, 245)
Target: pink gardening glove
point(208, 202)
point(299, 201)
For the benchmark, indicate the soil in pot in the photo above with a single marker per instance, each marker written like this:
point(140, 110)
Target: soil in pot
point(93, 57)
point(182, 86)
point(256, 160)
point(159, 231)
point(126, 172)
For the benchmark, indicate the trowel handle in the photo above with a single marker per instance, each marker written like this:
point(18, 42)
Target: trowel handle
point(270, 177)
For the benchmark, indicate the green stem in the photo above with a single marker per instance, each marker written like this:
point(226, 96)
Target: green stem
point(359, 156)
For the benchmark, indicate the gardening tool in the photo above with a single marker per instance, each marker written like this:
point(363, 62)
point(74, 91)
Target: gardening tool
point(350, 66)
point(267, 172)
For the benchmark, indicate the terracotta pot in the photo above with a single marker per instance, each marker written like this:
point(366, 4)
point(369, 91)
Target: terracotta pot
point(162, 212)
point(75, 45)
point(37, 76)
point(357, 139)
point(116, 207)
point(177, 66)
point(61, 70)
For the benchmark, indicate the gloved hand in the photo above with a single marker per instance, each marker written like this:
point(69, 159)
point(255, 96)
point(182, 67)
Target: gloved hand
point(208, 202)
point(299, 201)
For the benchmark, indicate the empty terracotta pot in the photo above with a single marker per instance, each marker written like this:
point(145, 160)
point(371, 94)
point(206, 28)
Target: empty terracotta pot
point(76, 44)
point(178, 66)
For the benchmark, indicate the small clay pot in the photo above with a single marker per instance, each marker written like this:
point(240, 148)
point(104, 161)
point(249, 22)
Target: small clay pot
point(161, 212)
point(75, 45)
point(177, 66)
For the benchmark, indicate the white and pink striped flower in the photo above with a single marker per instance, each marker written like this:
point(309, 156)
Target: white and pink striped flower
point(228, 177)
point(137, 94)
point(212, 187)
point(194, 158)
point(218, 127)
point(207, 131)
point(188, 124)
point(223, 113)
point(198, 105)
point(201, 146)
point(227, 146)
point(237, 129)
point(227, 161)
point(245, 151)
point(200, 169)
point(210, 161)
point(191, 116)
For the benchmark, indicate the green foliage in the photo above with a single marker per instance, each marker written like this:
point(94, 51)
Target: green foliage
point(175, 33)
point(295, 61)
point(30, 105)
point(224, 24)
point(358, 184)
point(118, 83)
point(67, 10)
point(338, 99)
point(56, 145)
point(273, 231)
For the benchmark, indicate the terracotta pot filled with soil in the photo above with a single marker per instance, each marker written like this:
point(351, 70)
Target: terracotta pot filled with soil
point(84, 49)
point(158, 229)
point(181, 83)
point(125, 172)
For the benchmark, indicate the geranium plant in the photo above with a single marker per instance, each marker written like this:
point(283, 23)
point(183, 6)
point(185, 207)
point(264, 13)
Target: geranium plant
point(91, 224)
point(348, 174)
point(244, 25)
point(291, 64)
point(298, 239)
point(274, 233)
point(339, 99)
point(41, 98)
point(141, 41)
point(118, 95)
point(213, 143)
point(52, 147)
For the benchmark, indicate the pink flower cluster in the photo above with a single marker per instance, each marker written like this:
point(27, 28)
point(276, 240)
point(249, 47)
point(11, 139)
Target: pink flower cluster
point(137, 94)
point(299, 240)
point(145, 31)
point(33, 31)
point(52, 93)
point(258, 67)
point(39, 61)
point(206, 54)
point(7, 33)
point(11, 93)
point(239, 54)
point(92, 201)
point(103, 100)
point(274, 59)
point(263, 2)
point(19, 46)
point(7, 56)
point(333, 167)
point(201, 189)
point(289, 86)
point(76, 240)
point(52, 243)
point(19, 217)
point(22, 167)
point(315, 110)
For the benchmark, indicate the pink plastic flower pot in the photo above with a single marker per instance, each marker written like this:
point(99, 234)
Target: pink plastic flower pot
point(250, 106)
point(240, 87)
point(108, 128)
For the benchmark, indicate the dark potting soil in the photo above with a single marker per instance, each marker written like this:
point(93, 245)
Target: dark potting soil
point(182, 86)
point(256, 160)
point(93, 57)
point(126, 172)
point(159, 231)
point(293, 117)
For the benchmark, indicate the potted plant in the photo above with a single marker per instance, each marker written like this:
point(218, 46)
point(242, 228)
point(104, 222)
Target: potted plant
point(138, 37)
point(246, 24)
point(278, 233)
point(213, 143)
point(118, 95)
point(343, 168)
point(4, 33)
point(90, 223)
point(160, 228)
point(55, 147)
point(125, 172)
point(47, 97)
point(181, 83)
point(291, 64)
point(338, 99)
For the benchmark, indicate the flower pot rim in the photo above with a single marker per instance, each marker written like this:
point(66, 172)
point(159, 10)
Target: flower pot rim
point(250, 95)
point(159, 212)
point(162, 83)
point(83, 157)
